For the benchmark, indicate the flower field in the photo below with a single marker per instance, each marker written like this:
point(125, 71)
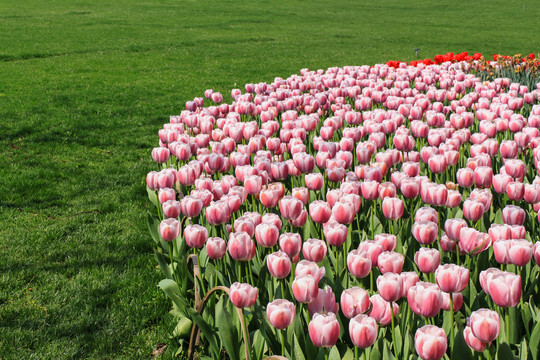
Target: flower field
point(383, 212)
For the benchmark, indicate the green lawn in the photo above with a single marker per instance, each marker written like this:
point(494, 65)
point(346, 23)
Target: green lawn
point(84, 88)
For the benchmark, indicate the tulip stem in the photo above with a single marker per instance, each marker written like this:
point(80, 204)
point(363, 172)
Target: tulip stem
point(282, 282)
point(393, 330)
point(356, 353)
point(451, 322)
point(239, 271)
point(282, 343)
point(372, 216)
point(507, 323)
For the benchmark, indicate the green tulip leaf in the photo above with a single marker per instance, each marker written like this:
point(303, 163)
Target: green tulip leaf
point(227, 332)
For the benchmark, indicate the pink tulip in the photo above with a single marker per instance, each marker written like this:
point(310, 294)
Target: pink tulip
point(425, 299)
point(515, 190)
point(430, 342)
point(473, 209)
point(279, 264)
point(171, 209)
point(335, 233)
point(290, 243)
point(427, 213)
point(243, 295)
point(305, 288)
point(363, 331)
point(410, 278)
point(483, 176)
point(324, 330)
point(393, 208)
point(390, 286)
point(373, 248)
point(324, 302)
point(499, 232)
point(513, 215)
point(166, 194)
point(266, 234)
point(314, 250)
point(169, 229)
point(452, 278)
point(410, 188)
point(387, 189)
point(390, 261)
point(465, 177)
point(457, 301)
point(425, 232)
point(290, 207)
point(472, 341)
point(314, 181)
point(370, 190)
point(241, 247)
point(505, 289)
point(387, 241)
point(301, 194)
point(280, 313)
point(160, 154)
point(343, 212)
point(448, 245)
point(453, 227)
point(485, 325)
point(216, 248)
point(437, 164)
point(427, 260)
point(269, 197)
point(472, 241)
point(195, 236)
point(354, 301)
point(515, 168)
point(218, 212)
point(359, 263)
point(500, 183)
point(381, 311)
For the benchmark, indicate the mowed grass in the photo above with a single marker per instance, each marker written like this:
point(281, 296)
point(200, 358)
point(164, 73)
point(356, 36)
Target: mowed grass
point(84, 88)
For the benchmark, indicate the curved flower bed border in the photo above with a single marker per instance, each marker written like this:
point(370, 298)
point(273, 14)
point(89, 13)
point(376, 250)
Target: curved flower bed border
point(316, 168)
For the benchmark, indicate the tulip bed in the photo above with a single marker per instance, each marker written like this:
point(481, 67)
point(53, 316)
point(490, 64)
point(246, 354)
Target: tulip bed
point(383, 212)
